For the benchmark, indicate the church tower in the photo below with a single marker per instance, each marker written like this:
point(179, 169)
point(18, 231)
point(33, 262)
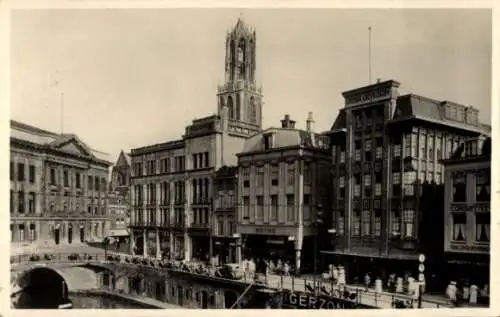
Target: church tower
point(239, 99)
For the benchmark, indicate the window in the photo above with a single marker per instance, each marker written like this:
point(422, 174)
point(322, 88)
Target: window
point(409, 177)
point(307, 173)
point(31, 203)
point(12, 171)
point(220, 226)
point(357, 151)
point(368, 150)
point(78, 180)
point(459, 188)
point(90, 182)
point(12, 201)
point(396, 222)
point(21, 233)
point(66, 178)
point(378, 189)
point(366, 222)
point(274, 207)
point(422, 146)
point(341, 222)
point(414, 144)
point(482, 188)
point(396, 150)
point(357, 190)
point(274, 175)
point(96, 183)
point(291, 174)
point(268, 141)
point(260, 207)
point(459, 226)
point(342, 157)
point(409, 190)
point(396, 178)
point(32, 174)
point(377, 223)
point(260, 177)
point(407, 144)
point(356, 223)
point(483, 227)
point(408, 220)
point(246, 207)
point(367, 180)
point(206, 159)
point(307, 208)
point(290, 208)
point(358, 122)
point(32, 232)
point(20, 202)
point(195, 161)
point(20, 172)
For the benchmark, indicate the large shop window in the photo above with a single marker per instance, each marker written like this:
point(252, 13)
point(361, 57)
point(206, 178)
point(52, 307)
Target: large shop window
point(459, 188)
point(483, 227)
point(483, 188)
point(459, 226)
point(408, 221)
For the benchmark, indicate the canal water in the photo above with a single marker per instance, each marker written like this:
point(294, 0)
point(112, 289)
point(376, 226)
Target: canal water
point(89, 301)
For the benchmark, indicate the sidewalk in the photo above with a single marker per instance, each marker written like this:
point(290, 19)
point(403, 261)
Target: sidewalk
point(370, 298)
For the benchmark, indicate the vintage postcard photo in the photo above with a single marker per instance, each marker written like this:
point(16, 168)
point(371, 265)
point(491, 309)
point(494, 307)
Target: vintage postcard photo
point(250, 158)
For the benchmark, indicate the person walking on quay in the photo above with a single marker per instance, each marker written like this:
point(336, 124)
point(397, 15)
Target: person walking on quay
point(367, 281)
point(473, 294)
point(451, 292)
point(286, 269)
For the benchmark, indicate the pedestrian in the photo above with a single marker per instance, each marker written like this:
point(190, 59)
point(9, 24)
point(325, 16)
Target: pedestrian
point(286, 269)
point(473, 294)
point(452, 292)
point(367, 281)
point(465, 292)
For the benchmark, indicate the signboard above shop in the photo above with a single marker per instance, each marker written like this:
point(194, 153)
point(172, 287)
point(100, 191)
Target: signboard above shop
point(300, 300)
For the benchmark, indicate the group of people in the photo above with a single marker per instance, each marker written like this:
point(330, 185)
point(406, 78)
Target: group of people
point(335, 273)
point(464, 293)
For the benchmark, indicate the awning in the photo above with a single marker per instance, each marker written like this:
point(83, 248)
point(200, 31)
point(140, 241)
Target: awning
point(118, 233)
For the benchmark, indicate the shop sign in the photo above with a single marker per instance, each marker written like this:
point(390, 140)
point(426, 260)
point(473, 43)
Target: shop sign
point(307, 301)
point(472, 248)
point(265, 230)
point(371, 96)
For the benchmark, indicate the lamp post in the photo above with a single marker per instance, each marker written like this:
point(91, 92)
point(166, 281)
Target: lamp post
point(318, 221)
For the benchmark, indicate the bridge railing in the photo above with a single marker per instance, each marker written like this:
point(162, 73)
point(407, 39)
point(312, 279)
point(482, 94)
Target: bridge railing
point(289, 283)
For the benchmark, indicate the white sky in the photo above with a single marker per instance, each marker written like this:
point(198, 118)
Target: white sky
point(134, 77)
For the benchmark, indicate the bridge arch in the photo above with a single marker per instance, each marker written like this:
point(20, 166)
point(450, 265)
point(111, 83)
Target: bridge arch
point(42, 287)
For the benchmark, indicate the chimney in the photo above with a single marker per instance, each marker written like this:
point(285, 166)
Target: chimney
point(379, 80)
point(310, 122)
point(287, 123)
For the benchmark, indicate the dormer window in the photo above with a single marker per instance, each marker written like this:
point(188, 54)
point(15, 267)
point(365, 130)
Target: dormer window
point(268, 141)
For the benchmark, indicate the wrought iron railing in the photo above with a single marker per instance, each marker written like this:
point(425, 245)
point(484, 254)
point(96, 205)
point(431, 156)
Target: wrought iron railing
point(279, 282)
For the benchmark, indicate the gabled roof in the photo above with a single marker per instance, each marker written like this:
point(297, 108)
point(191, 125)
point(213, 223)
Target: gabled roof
point(241, 28)
point(123, 159)
point(69, 143)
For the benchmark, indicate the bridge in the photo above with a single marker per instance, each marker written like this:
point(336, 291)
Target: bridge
point(128, 274)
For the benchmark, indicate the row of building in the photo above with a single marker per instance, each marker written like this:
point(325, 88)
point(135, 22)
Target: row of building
point(393, 174)
point(60, 191)
point(396, 177)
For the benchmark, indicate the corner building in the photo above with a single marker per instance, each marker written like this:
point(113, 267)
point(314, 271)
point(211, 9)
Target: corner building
point(172, 195)
point(384, 148)
point(467, 214)
point(283, 177)
point(58, 187)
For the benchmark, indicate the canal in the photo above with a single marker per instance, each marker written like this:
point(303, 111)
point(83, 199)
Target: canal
point(95, 301)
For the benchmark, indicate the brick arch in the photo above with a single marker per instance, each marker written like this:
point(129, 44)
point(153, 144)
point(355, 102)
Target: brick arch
point(42, 287)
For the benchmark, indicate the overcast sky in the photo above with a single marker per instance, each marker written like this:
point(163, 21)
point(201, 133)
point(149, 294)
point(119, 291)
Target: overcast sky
point(134, 77)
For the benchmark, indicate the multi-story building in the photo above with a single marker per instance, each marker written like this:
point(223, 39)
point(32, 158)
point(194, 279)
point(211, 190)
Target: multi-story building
point(224, 236)
point(172, 181)
point(467, 215)
point(58, 188)
point(384, 147)
point(283, 179)
point(119, 198)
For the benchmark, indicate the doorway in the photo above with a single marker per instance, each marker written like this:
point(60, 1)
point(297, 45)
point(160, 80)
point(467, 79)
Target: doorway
point(204, 299)
point(82, 234)
point(180, 296)
point(70, 233)
point(57, 235)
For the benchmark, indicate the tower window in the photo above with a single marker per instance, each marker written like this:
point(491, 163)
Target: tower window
point(253, 112)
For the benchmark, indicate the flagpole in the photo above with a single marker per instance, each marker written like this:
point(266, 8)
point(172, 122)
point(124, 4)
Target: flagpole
point(62, 112)
point(369, 55)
